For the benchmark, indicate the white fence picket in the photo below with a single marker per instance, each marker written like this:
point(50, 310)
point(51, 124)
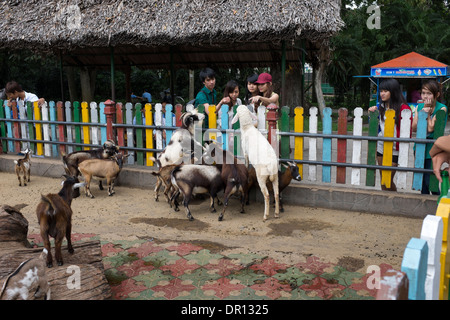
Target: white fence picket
point(312, 154)
point(357, 150)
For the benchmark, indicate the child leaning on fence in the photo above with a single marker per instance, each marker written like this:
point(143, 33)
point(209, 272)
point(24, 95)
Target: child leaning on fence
point(230, 98)
point(14, 91)
point(391, 98)
point(431, 95)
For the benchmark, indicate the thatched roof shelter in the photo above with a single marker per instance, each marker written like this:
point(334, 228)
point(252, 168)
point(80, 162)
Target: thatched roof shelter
point(143, 31)
point(178, 33)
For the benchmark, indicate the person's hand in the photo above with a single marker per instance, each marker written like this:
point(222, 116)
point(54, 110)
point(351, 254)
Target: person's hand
point(254, 99)
point(438, 160)
point(373, 108)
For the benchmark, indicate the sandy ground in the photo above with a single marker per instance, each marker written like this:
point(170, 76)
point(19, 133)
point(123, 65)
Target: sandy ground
point(355, 240)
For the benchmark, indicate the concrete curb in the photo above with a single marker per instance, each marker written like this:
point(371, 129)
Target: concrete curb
point(301, 194)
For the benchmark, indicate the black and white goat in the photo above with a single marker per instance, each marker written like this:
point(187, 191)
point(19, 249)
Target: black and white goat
point(182, 146)
point(192, 179)
point(22, 168)
point(54, 216)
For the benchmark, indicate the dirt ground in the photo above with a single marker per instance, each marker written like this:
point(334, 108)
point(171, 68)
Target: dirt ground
point(352, 239)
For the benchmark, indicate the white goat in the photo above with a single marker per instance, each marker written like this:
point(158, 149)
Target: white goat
point(258, 151)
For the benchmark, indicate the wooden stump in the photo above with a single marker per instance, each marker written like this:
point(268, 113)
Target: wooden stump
point(80, 278)
point(13, 226)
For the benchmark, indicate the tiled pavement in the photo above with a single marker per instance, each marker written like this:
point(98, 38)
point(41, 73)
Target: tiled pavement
point(147, 270)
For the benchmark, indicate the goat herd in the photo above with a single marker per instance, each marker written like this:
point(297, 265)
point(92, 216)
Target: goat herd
point(185, 168)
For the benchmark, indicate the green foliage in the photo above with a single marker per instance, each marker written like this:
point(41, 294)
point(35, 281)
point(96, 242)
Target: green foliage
point(406, 25)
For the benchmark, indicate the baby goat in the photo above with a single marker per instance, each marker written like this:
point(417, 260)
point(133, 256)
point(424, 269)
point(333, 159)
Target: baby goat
point(102, 169)
point(55, 217)
point(234, 174)
point(23, 167)
point(191, 179)
point(19, 282)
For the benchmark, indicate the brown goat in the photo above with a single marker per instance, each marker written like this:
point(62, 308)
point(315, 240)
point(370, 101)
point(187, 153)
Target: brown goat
point(284, 179)
point(55, 217)
point(163, 178)
point(72, 160)
point(102, 169)
point(23, 167)
point(18, 284)
point(233, 172)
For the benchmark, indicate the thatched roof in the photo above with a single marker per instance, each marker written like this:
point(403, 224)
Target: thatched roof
point(140, 28)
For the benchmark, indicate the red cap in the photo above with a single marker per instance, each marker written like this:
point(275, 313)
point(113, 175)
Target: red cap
point(263, 78)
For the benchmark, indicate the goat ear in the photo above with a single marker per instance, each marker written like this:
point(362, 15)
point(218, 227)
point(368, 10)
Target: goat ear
point(235, 119)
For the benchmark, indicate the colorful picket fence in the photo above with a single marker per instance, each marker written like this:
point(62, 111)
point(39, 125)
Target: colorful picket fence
point(65, 127)
point(425, 270)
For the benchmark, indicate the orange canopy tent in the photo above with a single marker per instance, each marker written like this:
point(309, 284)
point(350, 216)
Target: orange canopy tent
point(410, 65)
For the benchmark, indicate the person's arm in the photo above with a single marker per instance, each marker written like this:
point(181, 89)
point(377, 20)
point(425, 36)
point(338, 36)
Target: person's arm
point(273, 99)
point(415, 120)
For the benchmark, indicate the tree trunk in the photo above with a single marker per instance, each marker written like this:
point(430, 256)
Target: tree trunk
point(318, 87)
point(87, 79)
point(73, 92)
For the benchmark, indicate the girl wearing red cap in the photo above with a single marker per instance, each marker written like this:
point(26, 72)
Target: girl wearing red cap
point(265, 87)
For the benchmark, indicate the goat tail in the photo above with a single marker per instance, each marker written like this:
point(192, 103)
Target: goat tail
point(172, 175)
point(16, 162)
point(50, 205)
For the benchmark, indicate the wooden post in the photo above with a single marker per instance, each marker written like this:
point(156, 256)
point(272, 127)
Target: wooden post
point(285, 149)
point(326, 145)
point(37, 116)
point(443, 211)
point(313, 112)
point(272, 118)
point(60, 117)
point(414, 264)
point(16, 127)
point(149, 133)
point(85, 119)
point(372, 148)
point(342, 145)
point(389, 125)
point(432, 230)
point(119, 119)
point(298, 141)
point(357, 145)
point(393, 286)
point(110, 110)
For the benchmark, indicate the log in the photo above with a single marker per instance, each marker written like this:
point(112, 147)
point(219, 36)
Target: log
point(80, 278)
point(13, 226)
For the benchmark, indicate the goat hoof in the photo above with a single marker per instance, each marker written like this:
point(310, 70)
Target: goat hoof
point(49, 265)
point(71, 251)
point(60, 263)
point(220, 218)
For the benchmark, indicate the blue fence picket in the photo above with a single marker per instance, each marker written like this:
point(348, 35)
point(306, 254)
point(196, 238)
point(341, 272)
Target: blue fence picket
point(420, 150)
point(9, 131)
point(414, 264)
point(53, 128)
point(102, 121)
point(326, 151)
